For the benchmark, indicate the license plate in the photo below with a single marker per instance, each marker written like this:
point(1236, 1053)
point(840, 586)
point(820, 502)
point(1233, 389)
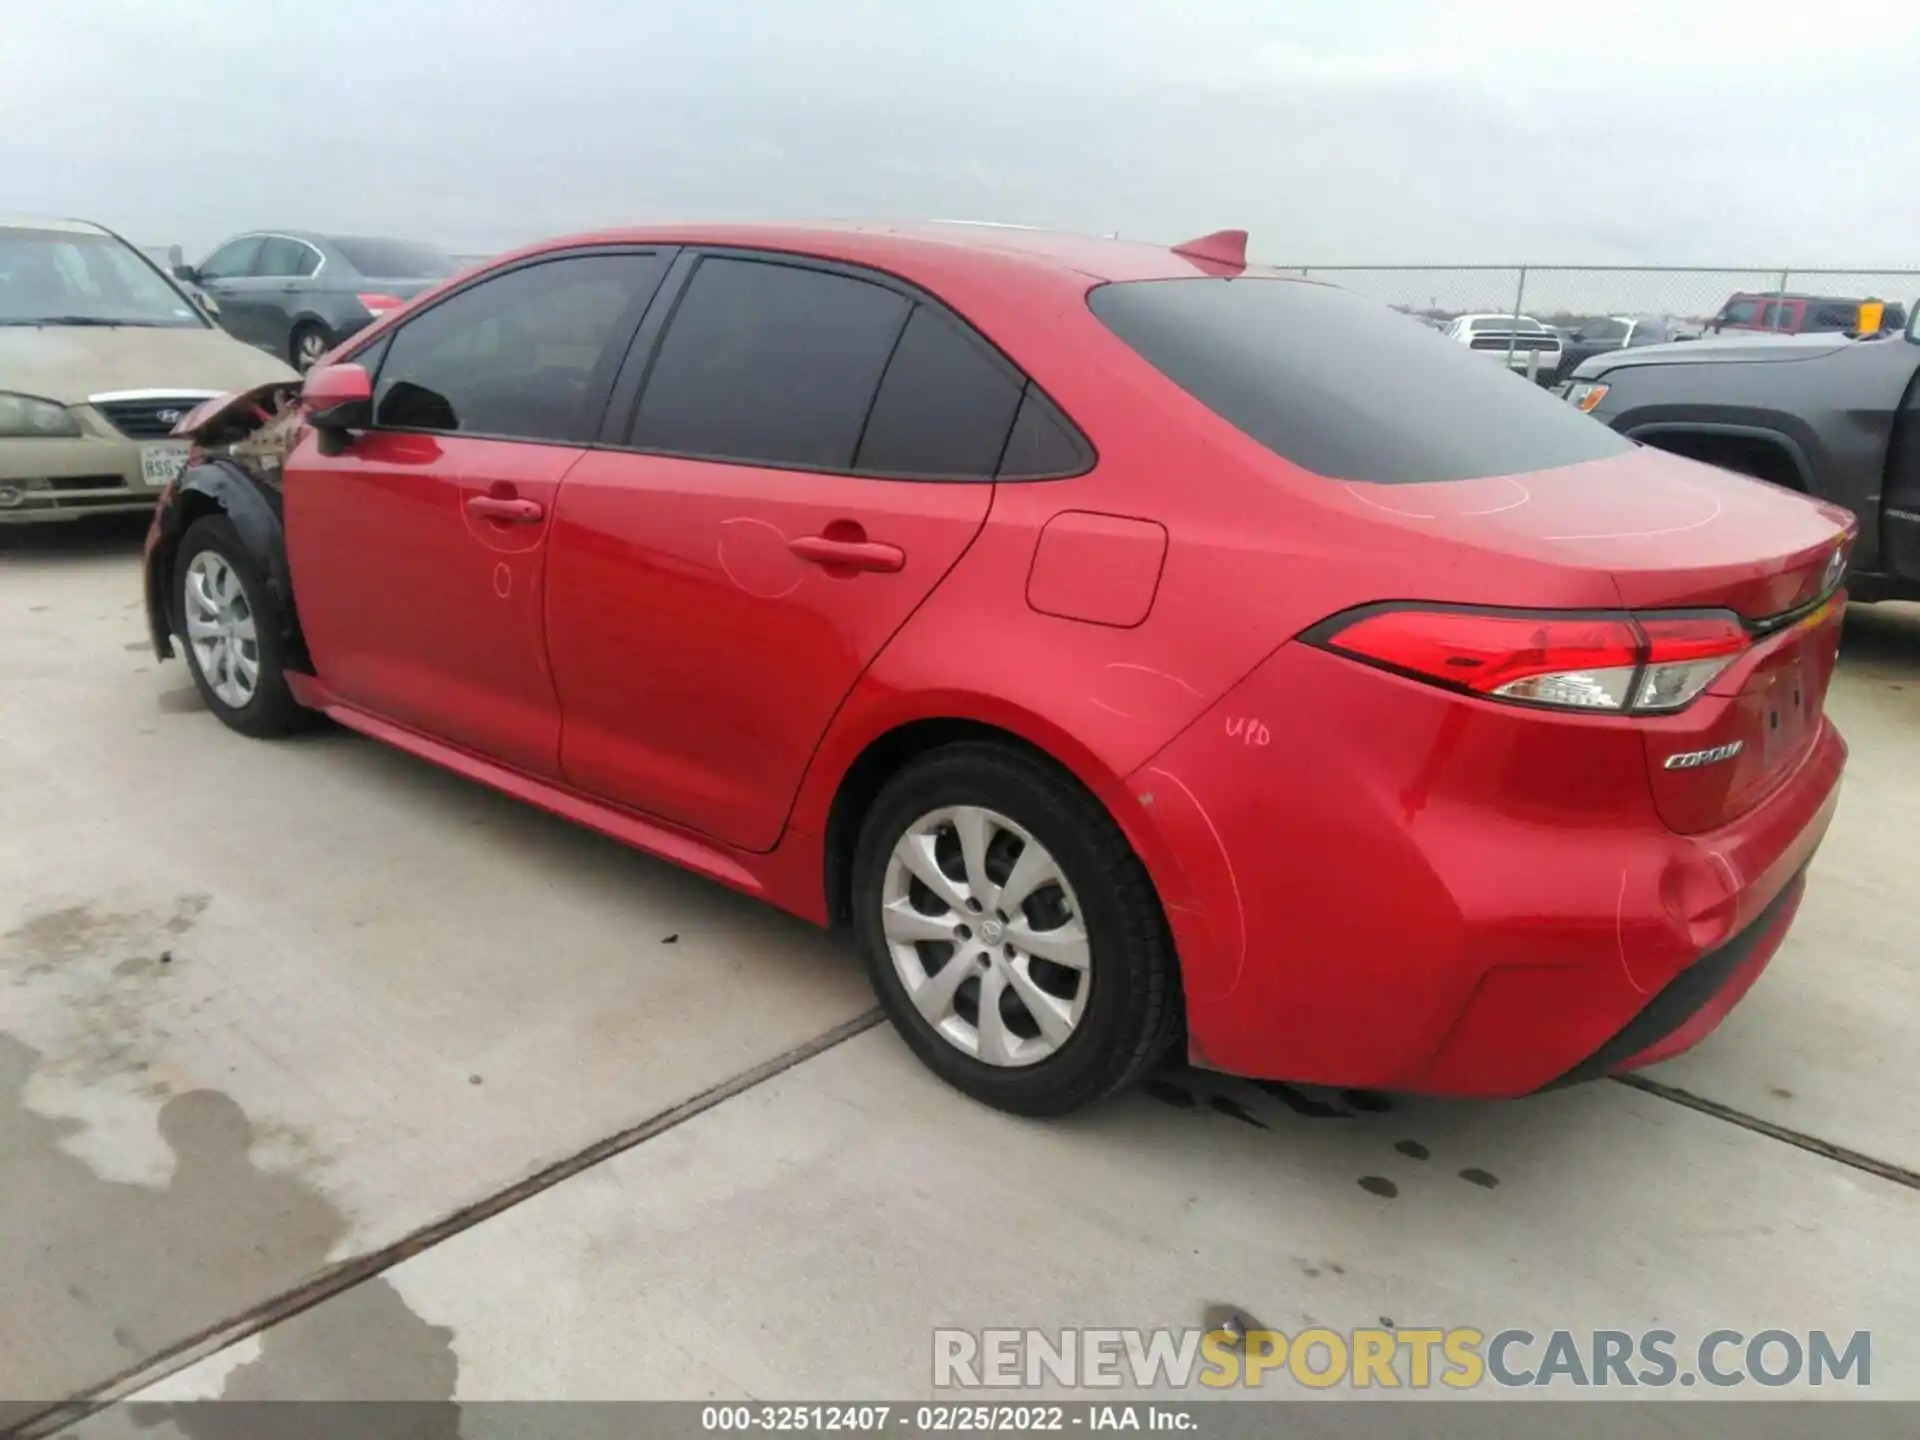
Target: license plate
point(162, 463)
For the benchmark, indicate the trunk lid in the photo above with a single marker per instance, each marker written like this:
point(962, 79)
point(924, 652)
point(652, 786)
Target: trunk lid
point(1673, 534)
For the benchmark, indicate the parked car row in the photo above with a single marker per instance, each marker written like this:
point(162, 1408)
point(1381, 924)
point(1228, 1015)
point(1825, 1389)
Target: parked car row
point(101, 355)
point(297, 294)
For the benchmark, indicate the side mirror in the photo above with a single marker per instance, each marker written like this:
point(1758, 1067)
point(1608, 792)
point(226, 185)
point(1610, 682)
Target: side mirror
point(338, 398)
point(186, 273)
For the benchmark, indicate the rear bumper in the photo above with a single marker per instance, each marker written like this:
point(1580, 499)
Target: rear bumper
point(1401, 889)
point(1695, 1001)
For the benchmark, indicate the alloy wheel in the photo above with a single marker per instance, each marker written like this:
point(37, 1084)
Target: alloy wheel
point(986, 935)
point(221, 629)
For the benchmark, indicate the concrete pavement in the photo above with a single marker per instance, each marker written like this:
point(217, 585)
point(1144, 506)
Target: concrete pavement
point(281, 1022)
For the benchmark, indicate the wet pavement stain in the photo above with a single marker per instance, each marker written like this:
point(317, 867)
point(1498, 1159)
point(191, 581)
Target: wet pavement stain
point(1379, 1185)
point(1413, 1150)
point(105, 1260)
point(1484, 1179)
point(107, 969)
point(364, 1346)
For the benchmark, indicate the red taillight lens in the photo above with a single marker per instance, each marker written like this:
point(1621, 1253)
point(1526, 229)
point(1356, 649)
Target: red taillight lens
point(378, 305)
point(1570, 662)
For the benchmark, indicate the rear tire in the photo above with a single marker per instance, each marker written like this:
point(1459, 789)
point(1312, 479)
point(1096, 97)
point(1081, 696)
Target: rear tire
point(1070, 1030)
point(231, 632)
point(307, 344)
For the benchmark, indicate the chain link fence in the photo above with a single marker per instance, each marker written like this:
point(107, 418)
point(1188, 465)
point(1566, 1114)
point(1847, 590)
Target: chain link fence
point(1570, 295)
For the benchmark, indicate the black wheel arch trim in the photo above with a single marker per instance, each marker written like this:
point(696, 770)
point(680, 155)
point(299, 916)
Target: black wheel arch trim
point(1791, 447)
point(253, 509)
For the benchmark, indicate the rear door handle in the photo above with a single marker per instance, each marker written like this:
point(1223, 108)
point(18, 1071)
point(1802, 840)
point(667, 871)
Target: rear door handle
point(849, 554)
point(507, 512)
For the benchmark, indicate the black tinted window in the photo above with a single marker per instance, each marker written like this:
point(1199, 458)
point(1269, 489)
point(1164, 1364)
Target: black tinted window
point(944, 408)
point(1740, 312)
point(1043, 445)
point(280, 256)
point(520, 355)
point(1830, 317)
point(1344, 386)
point(230, 259)
point(767, 363)
point(396, 259)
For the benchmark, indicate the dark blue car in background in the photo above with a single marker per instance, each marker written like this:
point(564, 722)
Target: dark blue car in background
point(297, 294)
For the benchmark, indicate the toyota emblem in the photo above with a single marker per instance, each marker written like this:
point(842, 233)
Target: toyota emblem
point(1836, 567)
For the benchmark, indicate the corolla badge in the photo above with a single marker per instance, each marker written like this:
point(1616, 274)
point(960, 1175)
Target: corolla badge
point(1694, 759)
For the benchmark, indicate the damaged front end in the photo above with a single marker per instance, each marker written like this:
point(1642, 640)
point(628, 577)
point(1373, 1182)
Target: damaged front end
point(235, 469)
point(254, 428)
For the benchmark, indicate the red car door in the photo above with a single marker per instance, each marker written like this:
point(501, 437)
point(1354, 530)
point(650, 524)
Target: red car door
point(419, 552)
point(719, 583)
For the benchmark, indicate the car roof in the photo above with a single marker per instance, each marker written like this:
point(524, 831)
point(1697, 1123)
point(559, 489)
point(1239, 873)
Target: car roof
point(931, 247)
point(42, 222)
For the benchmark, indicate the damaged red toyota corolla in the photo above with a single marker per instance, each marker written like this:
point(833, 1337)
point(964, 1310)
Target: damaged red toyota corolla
point(1136, 648)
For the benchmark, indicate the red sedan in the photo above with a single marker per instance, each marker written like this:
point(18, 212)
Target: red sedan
point(1136, 648)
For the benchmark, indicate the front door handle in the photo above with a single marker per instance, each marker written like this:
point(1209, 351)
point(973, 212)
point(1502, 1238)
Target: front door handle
point(849, 554)
point(507, 512)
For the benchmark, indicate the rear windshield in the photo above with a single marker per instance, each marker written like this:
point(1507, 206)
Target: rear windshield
point(1344, 386)
point(397, 259)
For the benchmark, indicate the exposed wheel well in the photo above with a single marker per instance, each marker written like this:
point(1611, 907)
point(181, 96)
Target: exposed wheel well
point(1754, 455)
point(868, 774)
point(191, 506)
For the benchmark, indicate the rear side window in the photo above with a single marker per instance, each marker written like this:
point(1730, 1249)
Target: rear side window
point(521, 356)
point(770, 364)
point(281, 256)
point(1043, 445)
point(1831, 317)
point(944, 408)
point(1345, 387)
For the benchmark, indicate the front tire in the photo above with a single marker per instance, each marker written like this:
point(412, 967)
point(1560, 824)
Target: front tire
point(1013, 937)
point(232, 632)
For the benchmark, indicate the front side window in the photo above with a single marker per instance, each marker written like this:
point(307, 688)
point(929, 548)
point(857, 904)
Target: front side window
point(1740, 312)
point(1777, 316)
point(518, 356)
point(769, 363)
point(59, 277)
point(234, 258)
point(1297, 367)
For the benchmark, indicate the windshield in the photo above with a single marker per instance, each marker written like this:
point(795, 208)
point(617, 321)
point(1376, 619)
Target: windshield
point(1604, 329)
point(1343, 386)
point(397, 259)
point(58, 277)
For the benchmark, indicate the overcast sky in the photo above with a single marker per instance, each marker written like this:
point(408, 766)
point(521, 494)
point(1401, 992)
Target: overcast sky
point(1376, 131)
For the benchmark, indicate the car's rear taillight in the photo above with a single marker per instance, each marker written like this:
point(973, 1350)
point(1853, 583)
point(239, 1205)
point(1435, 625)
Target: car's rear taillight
point(378, 305)
point(1641, 664)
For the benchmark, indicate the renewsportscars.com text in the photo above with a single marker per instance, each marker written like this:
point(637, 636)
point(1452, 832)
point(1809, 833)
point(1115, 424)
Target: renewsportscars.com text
point(1461, 1358)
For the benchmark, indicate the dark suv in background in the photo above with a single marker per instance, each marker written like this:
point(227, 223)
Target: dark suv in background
point(1781, 312)
point(296, 294)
